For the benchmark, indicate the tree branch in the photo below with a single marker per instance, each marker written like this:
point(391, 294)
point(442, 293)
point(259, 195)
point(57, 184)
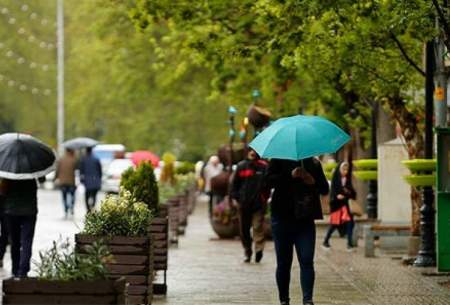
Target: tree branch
point(405, 55)
point(442, 17)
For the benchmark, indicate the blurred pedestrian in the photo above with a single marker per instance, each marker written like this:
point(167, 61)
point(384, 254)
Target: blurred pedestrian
point(341, 192)
point(211, 170)
point(65, 178)
point(20, 210)
point(4, 235)
point(248, 190)
point(295, 205)
point(90, 177)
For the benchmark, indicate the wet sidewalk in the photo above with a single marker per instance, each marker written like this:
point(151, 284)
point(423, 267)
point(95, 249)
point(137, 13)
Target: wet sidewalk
point(205, 271)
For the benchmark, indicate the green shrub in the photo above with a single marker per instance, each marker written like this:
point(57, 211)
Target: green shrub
point(119, 215)
point(62, 263)
point(185, 168)
point(142, 185)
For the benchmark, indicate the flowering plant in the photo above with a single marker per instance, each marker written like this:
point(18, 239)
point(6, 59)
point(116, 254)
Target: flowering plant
point(224, 212)
point(119, 215)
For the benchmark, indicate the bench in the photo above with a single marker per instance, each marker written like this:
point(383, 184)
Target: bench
point(379, 230)
point(360, 222)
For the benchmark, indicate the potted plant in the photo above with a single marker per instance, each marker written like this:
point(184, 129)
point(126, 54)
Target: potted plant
point(225, 220)
point(123, 223)
point(67, 277)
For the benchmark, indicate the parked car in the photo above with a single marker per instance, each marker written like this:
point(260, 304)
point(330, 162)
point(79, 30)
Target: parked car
point(113, 174)
point(106, 153)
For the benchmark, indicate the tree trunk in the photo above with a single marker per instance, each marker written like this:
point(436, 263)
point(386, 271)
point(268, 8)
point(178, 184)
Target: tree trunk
point(415, 146)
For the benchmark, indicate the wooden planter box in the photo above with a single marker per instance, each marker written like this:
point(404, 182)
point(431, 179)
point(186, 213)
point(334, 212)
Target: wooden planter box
point(133, 260)
point(174, 219)
point(159, 230)
point(192, 200)
point(184, 212)
point(35, 291)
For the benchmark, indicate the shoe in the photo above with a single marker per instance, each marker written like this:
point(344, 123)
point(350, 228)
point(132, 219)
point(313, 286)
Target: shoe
point(284, 303)
point(326, 245)
point(308, 303)
point(258, 256)
point(1, 264)
point(350, 248)
point(247, 259)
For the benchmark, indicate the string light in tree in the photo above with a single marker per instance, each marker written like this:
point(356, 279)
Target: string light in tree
point(23, 32)
point(23, 87)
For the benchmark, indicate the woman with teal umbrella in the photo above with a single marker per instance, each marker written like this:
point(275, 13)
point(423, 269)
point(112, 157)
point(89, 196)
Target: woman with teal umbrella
point(298, 181)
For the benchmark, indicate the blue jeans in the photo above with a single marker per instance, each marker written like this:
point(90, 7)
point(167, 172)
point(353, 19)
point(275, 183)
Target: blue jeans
point(68, 195)
point(302, 237)
point(21, 230)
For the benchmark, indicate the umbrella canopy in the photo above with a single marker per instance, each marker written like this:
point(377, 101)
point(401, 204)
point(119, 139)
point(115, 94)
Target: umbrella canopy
point(79, 143)
point(24, 157)
point(145, 156)
point(299, 137)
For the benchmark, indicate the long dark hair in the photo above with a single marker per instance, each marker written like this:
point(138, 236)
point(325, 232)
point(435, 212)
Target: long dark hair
point(336, 180)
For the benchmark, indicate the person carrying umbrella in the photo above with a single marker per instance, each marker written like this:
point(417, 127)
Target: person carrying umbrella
point(65, 177)
point(23, 159)
point(298, 181)
point(248, 191)
point(341, 192)
point(90, 177)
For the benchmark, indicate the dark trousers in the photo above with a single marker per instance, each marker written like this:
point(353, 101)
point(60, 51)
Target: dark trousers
point(68, 195)
point(302, 237)
point(4, 236)
point(249, 220)
point(348, 230)
point(90, 197)
point(21, 229)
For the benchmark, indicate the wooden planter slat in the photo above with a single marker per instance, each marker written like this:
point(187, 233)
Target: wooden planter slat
point(58, 299)
point(160, 266)
point(133, 279)
point(129, 269)
point(159, 220)
point(138, 290)
point(160, 259)
point(130, 259)
point(113, 240)
point(159, 236)
point(125, 250)
point(136, 299)
point(34, 291)
point(160, 251)
point(160, 244)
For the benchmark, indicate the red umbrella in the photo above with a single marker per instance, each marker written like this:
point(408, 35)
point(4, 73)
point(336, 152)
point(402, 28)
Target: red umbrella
point(144, 156)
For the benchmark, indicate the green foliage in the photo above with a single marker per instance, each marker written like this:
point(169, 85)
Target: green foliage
point(62, 263)
point(142, 185)
point(185, 168)
point(119, 215)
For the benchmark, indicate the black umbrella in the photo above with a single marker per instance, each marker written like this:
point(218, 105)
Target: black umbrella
point(79, 143)
point(24, 157)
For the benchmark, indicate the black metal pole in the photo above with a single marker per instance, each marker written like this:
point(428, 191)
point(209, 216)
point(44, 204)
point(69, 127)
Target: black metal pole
point(427, 253)
point(372, 197)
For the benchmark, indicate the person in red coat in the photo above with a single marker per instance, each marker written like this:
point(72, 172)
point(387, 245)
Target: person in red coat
point(341, 192)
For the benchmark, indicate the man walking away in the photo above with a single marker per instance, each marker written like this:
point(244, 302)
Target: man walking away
point(91, 177)
point(20, 208)
point(295, 205)
point(247, 190)
point(211, 170)
point(65, 177)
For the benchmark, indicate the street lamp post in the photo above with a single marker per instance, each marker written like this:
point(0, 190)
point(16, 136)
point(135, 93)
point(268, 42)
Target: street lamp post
point(60, 75)
point(427, 253)
point(372, 196)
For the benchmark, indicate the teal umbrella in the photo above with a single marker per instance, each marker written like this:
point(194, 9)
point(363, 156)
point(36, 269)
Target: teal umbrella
point(299, 137)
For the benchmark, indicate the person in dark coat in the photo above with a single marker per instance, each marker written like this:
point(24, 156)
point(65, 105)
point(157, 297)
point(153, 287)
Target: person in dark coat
point(248, 190)
point(90, 177)
point(295, 205)
point(341, 192)
point(20, 210)
point(4, 235)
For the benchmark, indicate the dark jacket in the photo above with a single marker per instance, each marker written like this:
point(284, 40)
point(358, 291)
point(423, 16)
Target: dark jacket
point(91, 173)
point(20, 197)
point(248, 184)
point(279, 177)
point(337, 188)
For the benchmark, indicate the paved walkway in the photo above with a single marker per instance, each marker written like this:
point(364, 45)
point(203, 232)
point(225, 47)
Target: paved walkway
point(207, 271)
